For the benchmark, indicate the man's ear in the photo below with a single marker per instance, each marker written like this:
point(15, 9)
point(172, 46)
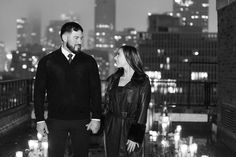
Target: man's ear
point(64, 37)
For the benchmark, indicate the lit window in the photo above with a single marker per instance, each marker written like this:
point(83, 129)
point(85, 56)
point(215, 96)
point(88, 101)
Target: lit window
point(19, 26)
point(9, 56)
point(204, 17)
point(199, 76)
point(117, 37)
point(185, 60)
point(24, 66)
point(51, 30)
point(133, 32)
point(154, 74)
point(167, 59)
point(205, 5)
point(161, 66)
point(20, 21)
point(195, 53)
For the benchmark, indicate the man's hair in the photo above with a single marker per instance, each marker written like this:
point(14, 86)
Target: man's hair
point(69, 26)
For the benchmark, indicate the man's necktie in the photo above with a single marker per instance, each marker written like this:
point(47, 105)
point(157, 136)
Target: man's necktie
point(70, 57)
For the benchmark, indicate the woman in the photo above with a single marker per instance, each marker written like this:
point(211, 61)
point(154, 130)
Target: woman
point(126, 102)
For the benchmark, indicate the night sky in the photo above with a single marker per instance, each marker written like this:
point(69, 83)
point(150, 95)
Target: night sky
point(129, 13)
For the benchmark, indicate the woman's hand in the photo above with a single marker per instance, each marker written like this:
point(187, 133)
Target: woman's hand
point(131, 146)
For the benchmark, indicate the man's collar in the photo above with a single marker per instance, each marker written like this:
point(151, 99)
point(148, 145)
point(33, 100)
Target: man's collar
point(66, 52)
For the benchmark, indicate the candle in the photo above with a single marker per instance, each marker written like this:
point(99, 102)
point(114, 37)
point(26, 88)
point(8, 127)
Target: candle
point(176, 138)
point(193, 149)
point(36, 145)
point(19, 154)
point(45, 149)
point(178, 128)
point(183, 150)
point(31, 144)
point(39, 136)
point(190, 140)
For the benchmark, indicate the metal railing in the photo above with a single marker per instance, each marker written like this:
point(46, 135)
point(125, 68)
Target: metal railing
point(186, 94)
point(174, 93)
point(15, 93)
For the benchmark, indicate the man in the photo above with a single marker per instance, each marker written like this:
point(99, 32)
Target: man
point(71, 80)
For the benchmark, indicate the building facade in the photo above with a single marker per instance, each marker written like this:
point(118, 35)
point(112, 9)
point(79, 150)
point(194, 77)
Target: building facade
point(182, 66)
point(126, 37)
point(192, 12)
point(105, 18)
point(227, 72)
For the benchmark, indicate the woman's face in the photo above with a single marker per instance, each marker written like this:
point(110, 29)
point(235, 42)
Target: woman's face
point(120, 60)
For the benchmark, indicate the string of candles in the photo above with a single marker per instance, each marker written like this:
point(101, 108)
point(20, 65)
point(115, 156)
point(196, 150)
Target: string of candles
point(168, 140)
point(37, 148)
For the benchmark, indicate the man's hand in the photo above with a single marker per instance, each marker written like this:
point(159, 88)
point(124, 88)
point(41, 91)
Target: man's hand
point(131, 146)
point(42, 128)
point(94, 126)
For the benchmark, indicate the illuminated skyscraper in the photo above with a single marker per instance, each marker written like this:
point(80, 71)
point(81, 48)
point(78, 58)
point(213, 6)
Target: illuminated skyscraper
point(35, 26)
point(22, 27)
point(53, 39)
point(128, 36)
point(192, 12)
point(52, 33)
point(105, 17)
point(2, 56)
point(28, 31)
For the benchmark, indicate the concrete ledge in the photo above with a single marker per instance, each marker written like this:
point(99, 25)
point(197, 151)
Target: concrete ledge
point(185, 117)
point(13, 118)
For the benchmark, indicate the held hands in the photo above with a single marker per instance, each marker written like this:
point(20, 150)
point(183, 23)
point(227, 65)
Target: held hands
point(42, 128)
point(94, 126)
point(131, 146)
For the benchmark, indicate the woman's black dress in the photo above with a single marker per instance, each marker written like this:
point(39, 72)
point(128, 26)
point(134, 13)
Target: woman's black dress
point(126, 114)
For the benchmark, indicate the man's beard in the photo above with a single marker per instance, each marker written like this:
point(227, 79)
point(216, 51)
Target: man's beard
point(72, 49)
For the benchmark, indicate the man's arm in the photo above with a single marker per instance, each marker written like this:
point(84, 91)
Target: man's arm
point(95, 95)
point(40, 90)
point(95, 91)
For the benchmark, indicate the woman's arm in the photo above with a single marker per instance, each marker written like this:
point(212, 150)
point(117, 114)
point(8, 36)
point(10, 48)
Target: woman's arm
point(137, 130)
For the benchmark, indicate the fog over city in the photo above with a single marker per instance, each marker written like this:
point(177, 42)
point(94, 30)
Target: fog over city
point(129, 13)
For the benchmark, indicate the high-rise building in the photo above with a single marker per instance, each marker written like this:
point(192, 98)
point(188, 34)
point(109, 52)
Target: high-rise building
point(52, 34)
point(35, 26)
point(169, 23)
point(24, 62)
point(182, 66)
point(105, 17)
point(2, 56)
point(128, 36)
point(28, 32)
point(192, 12)
point(53, 40)
point(22, 30)
point(163, 23)
point(226, 122)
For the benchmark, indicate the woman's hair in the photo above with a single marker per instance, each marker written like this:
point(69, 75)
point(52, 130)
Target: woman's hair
point(69, 26)
point(133, 58)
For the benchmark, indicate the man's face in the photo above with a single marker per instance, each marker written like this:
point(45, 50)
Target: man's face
point(74, 41)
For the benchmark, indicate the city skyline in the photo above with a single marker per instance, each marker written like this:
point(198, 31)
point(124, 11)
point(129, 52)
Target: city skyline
point(132, 13)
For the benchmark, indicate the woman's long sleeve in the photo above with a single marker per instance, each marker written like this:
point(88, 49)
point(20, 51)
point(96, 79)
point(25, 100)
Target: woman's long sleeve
point(137, 130)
